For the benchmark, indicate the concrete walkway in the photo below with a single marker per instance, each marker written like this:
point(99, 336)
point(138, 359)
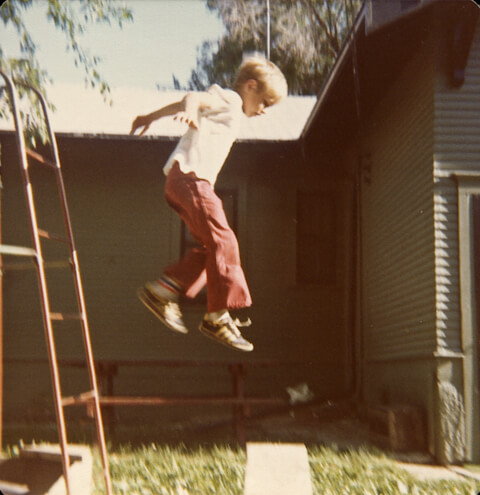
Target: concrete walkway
point(38, 471)
point(277, 469)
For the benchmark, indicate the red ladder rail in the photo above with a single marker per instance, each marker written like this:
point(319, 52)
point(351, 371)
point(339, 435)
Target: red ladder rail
point(49, 316)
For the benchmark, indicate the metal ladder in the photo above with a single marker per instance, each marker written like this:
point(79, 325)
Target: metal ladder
point(91, 397)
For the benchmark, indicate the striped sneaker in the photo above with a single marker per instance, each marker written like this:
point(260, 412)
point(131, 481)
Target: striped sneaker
point(226, 332)
point(167, 311)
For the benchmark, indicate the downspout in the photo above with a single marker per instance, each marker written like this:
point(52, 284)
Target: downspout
point(358, 362)
point(357, 316)
point(355, 394)
point(357, 303)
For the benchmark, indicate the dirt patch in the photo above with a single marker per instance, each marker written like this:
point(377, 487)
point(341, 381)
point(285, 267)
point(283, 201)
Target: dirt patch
point(340, 428)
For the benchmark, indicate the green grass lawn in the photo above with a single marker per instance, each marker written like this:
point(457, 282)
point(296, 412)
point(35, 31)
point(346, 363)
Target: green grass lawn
point(220, 470)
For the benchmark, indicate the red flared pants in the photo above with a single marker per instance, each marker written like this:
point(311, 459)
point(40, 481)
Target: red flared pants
point(216, 261)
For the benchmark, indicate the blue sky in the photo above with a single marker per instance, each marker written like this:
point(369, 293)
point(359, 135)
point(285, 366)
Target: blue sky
point(162, 40)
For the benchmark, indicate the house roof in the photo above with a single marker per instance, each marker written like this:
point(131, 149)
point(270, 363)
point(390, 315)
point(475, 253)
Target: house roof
point(375, 51)
point(83, 112)
point(372, 57)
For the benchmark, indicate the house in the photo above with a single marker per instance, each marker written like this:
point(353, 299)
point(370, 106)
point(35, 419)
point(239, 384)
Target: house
point(358, 235)
point(400, 114)
point(125, 234)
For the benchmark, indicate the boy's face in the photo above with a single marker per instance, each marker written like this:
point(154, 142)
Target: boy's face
point(254, 101)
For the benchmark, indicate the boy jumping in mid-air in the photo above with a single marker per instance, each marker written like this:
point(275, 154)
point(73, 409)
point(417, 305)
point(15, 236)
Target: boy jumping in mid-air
point(214, 118)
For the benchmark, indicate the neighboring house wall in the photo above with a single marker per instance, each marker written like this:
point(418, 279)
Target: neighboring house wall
point(397, 267)
point(456, 154)
point(418, 348)
point(126, 234)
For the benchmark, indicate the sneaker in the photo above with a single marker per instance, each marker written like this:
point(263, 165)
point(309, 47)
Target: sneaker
point(167, 311)
point(226, 332)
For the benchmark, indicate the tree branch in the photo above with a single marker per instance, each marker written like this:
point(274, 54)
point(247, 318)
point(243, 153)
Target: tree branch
point(332, 39)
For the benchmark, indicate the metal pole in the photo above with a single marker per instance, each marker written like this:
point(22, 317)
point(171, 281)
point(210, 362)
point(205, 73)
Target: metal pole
point(1, 314)
point(268, 29)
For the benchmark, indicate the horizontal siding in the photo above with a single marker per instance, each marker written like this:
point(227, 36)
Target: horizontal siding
point(456, 149)
point(446, 265)
point(457, 118)
point(398, 240)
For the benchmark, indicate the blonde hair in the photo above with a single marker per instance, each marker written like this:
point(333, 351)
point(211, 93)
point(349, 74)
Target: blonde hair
point(268, 76)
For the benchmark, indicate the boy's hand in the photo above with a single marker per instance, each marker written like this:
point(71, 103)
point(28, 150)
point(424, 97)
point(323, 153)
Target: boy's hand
point(187, 118)
point(141, 121)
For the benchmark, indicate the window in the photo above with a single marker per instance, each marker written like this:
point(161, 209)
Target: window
point(316, 238)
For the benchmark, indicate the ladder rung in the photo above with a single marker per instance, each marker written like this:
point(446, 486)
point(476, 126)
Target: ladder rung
point(28, 265)
point(58, 264)
point(40, 159)
point(53, 237)
point(65, 316)
point(17, 250)
point(84, 398)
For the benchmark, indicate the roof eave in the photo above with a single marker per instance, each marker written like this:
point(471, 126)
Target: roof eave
point(335, 71)
point(358, 35)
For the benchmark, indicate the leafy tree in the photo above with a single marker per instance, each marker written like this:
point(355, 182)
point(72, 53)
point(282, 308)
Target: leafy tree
point(305, 39)
point(70, 17)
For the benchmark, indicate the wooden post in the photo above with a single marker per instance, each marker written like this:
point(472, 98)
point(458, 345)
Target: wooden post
point(106, 373)
point(476, 266)
point(1, 309)
point(238, 371)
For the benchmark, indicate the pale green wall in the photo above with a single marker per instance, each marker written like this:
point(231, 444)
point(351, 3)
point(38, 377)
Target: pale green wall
point(125, 234)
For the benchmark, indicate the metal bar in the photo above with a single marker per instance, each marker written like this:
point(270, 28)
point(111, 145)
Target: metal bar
point(177, 363)
point(17, 250)
point(39, 158)
point(174, 401)
point(65, 316)
point(84, 398)
point(53, 237)
point(268, 29)
point(41, 278)
point(28, 266)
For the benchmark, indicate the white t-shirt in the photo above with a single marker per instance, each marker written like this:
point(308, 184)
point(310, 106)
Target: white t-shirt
point(204, 150)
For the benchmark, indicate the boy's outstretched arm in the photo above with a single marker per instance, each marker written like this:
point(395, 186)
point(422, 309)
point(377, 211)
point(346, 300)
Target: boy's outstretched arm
point(185, 110)
point(145, 120)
